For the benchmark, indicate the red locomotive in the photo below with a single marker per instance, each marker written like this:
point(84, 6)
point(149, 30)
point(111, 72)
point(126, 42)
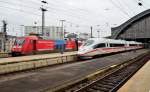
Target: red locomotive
point(33, 44)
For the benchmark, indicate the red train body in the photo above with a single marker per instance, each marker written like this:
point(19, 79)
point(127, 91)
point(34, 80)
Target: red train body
point(31, 44)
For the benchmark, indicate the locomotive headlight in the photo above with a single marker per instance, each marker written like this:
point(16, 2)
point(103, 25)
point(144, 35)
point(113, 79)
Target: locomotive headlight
point(84, 50)
point(19, 46)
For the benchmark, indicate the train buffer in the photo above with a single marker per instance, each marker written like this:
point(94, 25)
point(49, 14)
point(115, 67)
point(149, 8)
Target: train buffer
point(140, 82)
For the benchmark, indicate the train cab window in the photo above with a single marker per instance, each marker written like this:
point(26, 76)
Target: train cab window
point(88, 42)
point(19, 41)
point(101, 45)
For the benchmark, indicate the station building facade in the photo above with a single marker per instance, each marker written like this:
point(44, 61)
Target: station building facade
point(50, 32)
point(6, 42)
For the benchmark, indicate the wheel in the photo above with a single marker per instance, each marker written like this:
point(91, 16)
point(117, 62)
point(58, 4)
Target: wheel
point(13, 54)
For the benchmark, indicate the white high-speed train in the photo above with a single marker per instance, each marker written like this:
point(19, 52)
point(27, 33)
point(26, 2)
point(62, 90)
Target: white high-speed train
point(97, 46)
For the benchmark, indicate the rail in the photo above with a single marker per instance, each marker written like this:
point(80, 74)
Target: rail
point(108, 80)
point(113, 81)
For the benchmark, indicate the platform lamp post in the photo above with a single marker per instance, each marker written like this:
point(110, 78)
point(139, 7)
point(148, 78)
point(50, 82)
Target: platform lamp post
point(91, 31)
point(98, 31)
point(140, 3)
point(43, 15)
point(63, 31)
point(5, 34)
point(63, 36)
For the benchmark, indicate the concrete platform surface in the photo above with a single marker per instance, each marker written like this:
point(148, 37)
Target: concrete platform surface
point(50, 78)
point(32, 57)
point(140, 82)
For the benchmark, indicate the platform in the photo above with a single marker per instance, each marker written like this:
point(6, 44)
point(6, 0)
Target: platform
point(140, 82)
point(51, 78)
point(14, 64)
point(34, 57)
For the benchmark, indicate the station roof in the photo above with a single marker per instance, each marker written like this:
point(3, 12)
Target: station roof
point(117, 30)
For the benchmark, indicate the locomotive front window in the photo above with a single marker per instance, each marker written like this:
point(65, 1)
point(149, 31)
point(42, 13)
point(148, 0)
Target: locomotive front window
point(101, 45)
point(19, 41)
point(88, 42)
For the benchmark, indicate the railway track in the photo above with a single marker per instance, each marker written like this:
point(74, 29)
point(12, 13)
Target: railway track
point(15, 67)
point(112, 81)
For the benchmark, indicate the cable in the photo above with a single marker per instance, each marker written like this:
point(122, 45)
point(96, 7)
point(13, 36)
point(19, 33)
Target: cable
point(69, 11)
point(28, 11)
point(126, 5)
point(120, 8)
point(22, 5)
point(31, 13)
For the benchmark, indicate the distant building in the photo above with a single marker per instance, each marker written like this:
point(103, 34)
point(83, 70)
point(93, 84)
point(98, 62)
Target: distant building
point(50, 32)
point(84, 36)
point(9, 42)
point(72, 35)
point(81, 36)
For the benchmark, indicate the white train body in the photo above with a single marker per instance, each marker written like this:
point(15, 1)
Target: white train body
point(98, 46)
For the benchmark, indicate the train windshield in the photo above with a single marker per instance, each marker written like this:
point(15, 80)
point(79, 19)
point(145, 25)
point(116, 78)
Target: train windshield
point(88, 42)
point(19, 41)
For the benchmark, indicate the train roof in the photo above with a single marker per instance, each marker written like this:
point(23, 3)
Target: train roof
point(119, 41)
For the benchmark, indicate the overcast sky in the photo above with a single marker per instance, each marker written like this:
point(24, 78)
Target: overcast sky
point(79, 14)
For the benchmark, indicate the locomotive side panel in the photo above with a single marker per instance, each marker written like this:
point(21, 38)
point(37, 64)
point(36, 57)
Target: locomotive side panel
point(42, 45)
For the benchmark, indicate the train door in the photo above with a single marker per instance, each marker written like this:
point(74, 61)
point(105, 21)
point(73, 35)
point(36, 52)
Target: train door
point(34, 46)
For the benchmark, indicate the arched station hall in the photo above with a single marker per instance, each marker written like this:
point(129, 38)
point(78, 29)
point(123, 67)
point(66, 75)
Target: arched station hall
point(137, 28)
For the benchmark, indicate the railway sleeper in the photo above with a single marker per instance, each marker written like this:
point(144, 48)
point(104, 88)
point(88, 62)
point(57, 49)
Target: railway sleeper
point(120, 77)
point(117, 78)
point(114, 81)
point(103, 85)
point(108, 83)
point(100, 88)
point(90, 90)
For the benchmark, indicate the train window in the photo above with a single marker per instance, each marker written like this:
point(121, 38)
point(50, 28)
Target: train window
point(133, 44)
point(116, 45)
point(88, 42)
point(19, 41)
point(101, 45)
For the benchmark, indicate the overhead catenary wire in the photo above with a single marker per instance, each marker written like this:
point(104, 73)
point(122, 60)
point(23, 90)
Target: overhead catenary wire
point(123, 3)
point(54, 12)
point(124, 12)
point(78, 15)
point(63, 11)
point(33, 7)
point(20, 10)
point(18, 4)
